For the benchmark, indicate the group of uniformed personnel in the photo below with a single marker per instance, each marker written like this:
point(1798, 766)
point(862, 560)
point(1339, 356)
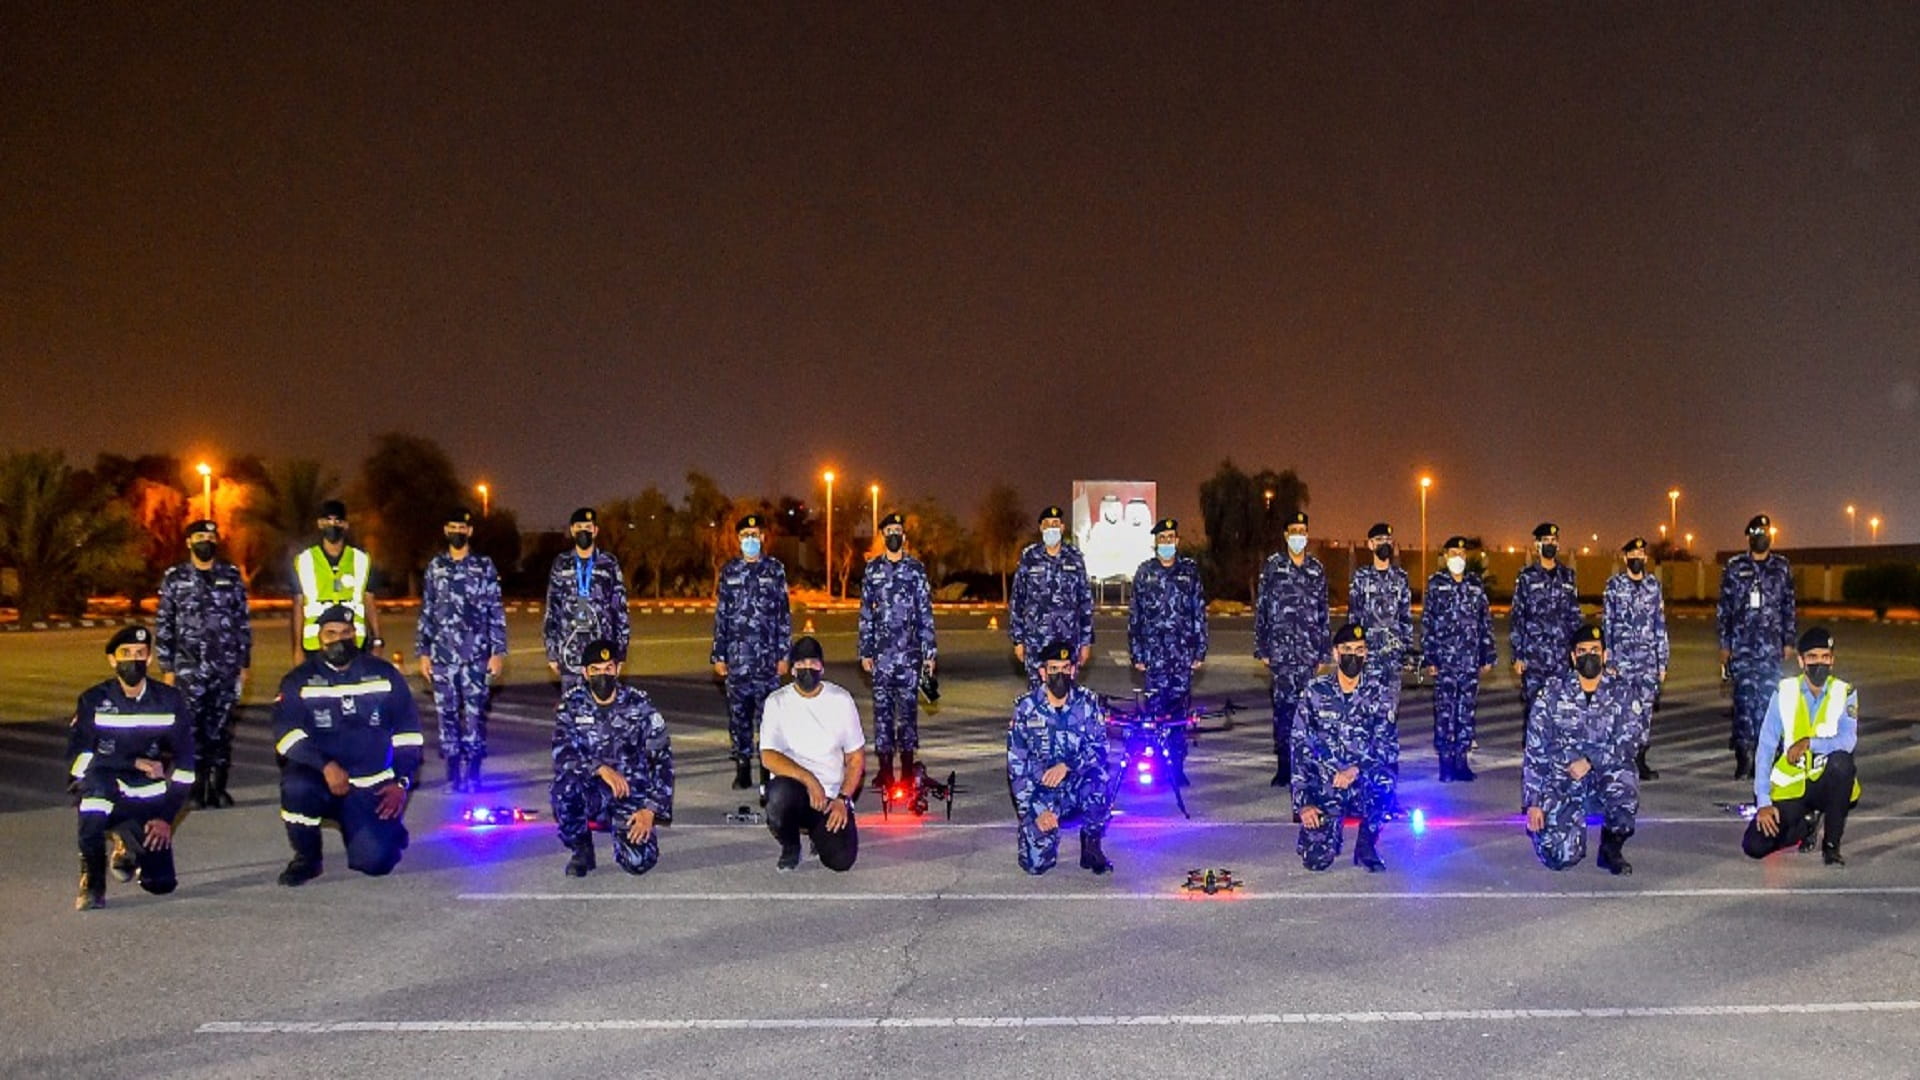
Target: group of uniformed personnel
point(348, 735)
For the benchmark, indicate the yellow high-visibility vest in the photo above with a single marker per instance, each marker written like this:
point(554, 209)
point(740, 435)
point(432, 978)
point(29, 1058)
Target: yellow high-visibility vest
point(1789, 779)
point(324, 584)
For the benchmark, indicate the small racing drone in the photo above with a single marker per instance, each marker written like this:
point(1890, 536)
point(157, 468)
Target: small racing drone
point(1211, 882)
point(497, 815)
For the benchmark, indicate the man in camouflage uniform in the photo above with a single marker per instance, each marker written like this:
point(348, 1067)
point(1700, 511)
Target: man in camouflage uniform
point(612, 767)
point(1052, 597)
point(1346, 757)
point(752, 630)
point(1756, 623)
point(1634, 621)
point(1546, 612)
point(896, 644)
point(461, 640)
point(1057, 765)
point(203, 643)
point(1291, 633)
point(1167, 632)
point(586, 601)
point(1581, 737)
point(1456, 634)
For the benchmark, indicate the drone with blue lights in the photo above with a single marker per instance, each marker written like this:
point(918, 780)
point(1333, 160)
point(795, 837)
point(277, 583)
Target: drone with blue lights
point(1153, 735)
point(497, 815)
point(914, 790)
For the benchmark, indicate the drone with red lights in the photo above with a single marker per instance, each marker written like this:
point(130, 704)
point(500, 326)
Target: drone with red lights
point(913, 791)
point(1211, 882)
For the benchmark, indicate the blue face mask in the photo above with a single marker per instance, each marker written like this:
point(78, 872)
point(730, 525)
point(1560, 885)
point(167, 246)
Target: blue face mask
point(1050, 537)
point(1296, 543)
point(750, 547)
point(1165, 551)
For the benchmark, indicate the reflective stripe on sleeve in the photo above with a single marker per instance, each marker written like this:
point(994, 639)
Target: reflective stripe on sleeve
point(182, 776)
point(96, 806)
point(287, 741)
point(142, 791)
point(375, 780)
point(81, 763)
point(292, 818)
point(409, 738)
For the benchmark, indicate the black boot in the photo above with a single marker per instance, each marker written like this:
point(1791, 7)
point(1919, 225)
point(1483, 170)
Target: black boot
point(217, 796)
point(473, 774)
point(1810, 831)
point(742, 775)
point(906, 765)
point(197, 795)
point(1610, 859)
point(1446, 769)
point(93, 882)
point(1647, 772)
point(1830, 856)
point(1743, 762)
point(1091, 857)
point(885, 780)
point(456, 783)
point(1462, 771)
point(582, 862)
point(1282, 776)
point(1366, 850)
point(305, 865)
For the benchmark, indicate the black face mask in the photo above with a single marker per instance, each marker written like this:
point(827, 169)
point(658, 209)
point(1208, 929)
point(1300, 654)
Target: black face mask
point(583, 540)
point(1817, 673)
point(457, 541)
point(1060, 684)
point(603, 686)
point(1549, 551)
point(1384, 552)
point(1636, 566)
point(895, 542)
point(131, 672)
point(339, 653)
point(1588, 665)
point(806, 678)
point(1759, 544)
point(1352, 664)
point(203, 550)
point(333, 534)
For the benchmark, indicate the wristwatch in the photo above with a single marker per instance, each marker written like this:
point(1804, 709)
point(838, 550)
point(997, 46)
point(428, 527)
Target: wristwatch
point(405, 782)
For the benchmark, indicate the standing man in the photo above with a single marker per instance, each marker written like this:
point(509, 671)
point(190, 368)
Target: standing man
point(461, 641)
point(1052, 597)
point(1167, 631)
point(1346, 757)
point(333, 573)
point(1057, 765)
point(811, 744)
point(612, 767)
point(1456, 634)
point(346, 727)
point(586, 601)
point(1586, 724)
point(752, 624)
point(1756, 619)
point(896, 644)
point(1634, 620)
point(123, 734)
point(1292, 633)
point(1545, 615)
point(203, 644)
point(1380, 598)
point(1808, 742)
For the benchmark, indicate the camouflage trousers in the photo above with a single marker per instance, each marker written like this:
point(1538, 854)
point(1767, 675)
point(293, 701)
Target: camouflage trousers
point(1613, 793)
point(1456, 700)
point(460, 696)
point(580, 803)
point(1085, 801)
point(746, 700)
point(1755, 677)
point(1288, 683)
point(896, 710)
point(210, 701)
point(1368, 798)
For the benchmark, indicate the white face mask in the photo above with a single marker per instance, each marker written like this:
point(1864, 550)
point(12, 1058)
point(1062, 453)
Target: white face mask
point(1456, 565)
point(1050, 537)
point(1297, 543)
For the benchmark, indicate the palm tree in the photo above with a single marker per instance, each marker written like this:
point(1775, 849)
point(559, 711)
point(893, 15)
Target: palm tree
point(289, 504)
point(60, 532)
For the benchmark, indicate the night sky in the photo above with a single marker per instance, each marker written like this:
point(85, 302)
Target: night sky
point(1564, 256)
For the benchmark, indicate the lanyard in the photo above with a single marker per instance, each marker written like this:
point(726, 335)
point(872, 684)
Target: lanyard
point(583, 577)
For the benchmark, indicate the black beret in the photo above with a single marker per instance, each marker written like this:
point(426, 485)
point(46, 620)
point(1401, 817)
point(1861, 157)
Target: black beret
point(1053, 512)
point(335, 613)
point(1058, 650)
point(333, 508)
point(1381, 529)
point(1816, 637)
point(1348, 633)
point(1587, 632)
point(751, 521)
point(203, 525)
point(1638, 543)
point(460, 515)
point(1760, 523)
point(1545, 529)
point(1298, 517)
point(1166, 525)
point(598, 652)
point(584, 516)
point(134, 634)
point(1454, 542)
point(895, 518)
point(806, 648)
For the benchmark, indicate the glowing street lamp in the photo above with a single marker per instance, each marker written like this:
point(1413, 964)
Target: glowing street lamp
point(1426, 484)
point(1673, 509)
point(875, 490)
point(1874, 524)
point(828, 476)
point(1853, 533)
point(486, 500)
point(206, 487)
point(1689, 546)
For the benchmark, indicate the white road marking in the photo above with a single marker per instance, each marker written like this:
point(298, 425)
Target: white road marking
point(1150, 1020)
point(1703, 893)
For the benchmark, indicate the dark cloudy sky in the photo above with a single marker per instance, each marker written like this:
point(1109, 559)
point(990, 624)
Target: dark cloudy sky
point(1565, 256)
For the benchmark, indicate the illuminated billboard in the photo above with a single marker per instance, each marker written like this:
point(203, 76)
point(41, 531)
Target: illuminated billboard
point(1113, 525)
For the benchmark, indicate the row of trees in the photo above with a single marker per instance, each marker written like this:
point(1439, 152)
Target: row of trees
point(68, 533)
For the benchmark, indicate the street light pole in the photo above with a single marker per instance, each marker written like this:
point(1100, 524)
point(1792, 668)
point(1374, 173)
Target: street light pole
point(1874, 524)
point(1426, 482)
point(206, 487)
point(876, 510)
point(829, 477)
point(1673, 510)
point(486, 501)
point(1853, 532)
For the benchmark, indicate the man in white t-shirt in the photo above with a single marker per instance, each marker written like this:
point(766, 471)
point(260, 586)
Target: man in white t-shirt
point(812, 745)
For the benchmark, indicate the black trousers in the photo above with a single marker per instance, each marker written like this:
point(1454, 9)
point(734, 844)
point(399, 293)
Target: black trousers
point(789, 814)
point(1831, 795)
